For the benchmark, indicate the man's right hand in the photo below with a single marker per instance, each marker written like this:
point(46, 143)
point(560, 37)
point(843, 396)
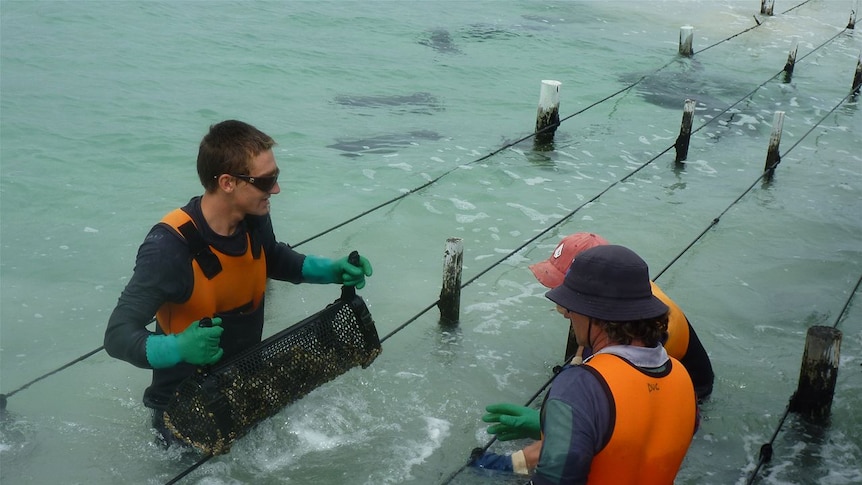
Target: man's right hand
point(198, 345)
point(512, 421)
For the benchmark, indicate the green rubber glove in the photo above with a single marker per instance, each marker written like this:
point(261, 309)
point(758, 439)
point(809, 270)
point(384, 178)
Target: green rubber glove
point(513, 421)
point(196, 345)
point(323, 270)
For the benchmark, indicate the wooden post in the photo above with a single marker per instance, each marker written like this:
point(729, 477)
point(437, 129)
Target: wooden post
point(772, 156)
point(857, 78)
point(686, 33)
point(548, 116)
point(819, 372)
point(450, 295)
point(791, 62)
point(684, 137)
point(766, 7)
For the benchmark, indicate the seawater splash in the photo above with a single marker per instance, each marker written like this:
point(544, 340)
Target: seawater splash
point(414, 452)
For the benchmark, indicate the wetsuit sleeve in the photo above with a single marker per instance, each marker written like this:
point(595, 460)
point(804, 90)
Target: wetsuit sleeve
point(282, 262)
point(697, 363)
point(162, 273)
point(576, 425)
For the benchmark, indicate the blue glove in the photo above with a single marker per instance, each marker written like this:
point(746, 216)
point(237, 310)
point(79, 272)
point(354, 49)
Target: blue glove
point(512, 421)
point(323, 270)
point(198, 345)
point(490, 461)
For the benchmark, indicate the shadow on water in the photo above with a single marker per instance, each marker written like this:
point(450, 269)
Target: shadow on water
point(421, 102)
point(441, 41)
point(382, 144)
point(684, 79)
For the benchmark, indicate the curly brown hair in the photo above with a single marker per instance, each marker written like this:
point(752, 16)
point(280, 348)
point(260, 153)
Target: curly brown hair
point(650, 331)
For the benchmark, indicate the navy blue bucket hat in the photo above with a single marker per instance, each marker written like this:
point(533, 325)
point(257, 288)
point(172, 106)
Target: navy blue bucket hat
point(610, 283)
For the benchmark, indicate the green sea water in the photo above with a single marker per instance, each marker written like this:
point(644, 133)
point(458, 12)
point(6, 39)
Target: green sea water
point(103, 103)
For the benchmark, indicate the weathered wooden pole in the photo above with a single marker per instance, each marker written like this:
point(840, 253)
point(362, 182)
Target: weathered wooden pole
point(772, 156)
point(789, 65)
point(548, 115)
point(450, 295)
point(686, 34)
point(766, 7)
point(684, 137)
point(819, 372)
point(857, 78)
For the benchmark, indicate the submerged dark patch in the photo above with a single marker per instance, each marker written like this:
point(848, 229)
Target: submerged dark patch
point(670, 87)
point(382, 144)
point(441, 41)
point(416, 99)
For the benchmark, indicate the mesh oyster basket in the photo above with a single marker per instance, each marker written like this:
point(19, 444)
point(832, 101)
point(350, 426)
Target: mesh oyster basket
point(216, 406)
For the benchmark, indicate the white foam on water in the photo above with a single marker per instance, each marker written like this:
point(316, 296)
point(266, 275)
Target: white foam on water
point(401, 166)
point(468, 218)
point(532, 214)
point(536, 180)
point(512, 174)
point(462, 204)
point(415, 452)
point(701, 166)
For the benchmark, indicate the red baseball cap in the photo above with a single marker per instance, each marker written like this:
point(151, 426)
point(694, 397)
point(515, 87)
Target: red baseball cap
point(552, 271)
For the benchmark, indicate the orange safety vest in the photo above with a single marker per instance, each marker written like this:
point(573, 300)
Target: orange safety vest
point(677, 326)
point(654, 422)
point(236, 282)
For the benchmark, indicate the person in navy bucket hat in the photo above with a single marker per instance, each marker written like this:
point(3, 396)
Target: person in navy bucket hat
point(611, 283)
point(605, 293)
point(629, 412)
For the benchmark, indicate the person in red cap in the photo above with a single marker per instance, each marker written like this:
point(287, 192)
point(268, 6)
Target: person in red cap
point(514, 422)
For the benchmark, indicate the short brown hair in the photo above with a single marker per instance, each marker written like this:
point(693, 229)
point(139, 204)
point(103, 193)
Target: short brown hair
point(229, 147)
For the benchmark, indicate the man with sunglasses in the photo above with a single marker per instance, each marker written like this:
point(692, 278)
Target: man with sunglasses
point(209, 261)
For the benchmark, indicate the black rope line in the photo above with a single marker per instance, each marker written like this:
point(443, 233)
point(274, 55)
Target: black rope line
point(190, 469)
point(727, 39)
point(766, 449)
point(4, 397)
point(847, 304)
point(795, 7)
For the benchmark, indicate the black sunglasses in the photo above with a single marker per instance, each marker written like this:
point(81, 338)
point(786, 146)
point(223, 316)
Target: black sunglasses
point(264, 184)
